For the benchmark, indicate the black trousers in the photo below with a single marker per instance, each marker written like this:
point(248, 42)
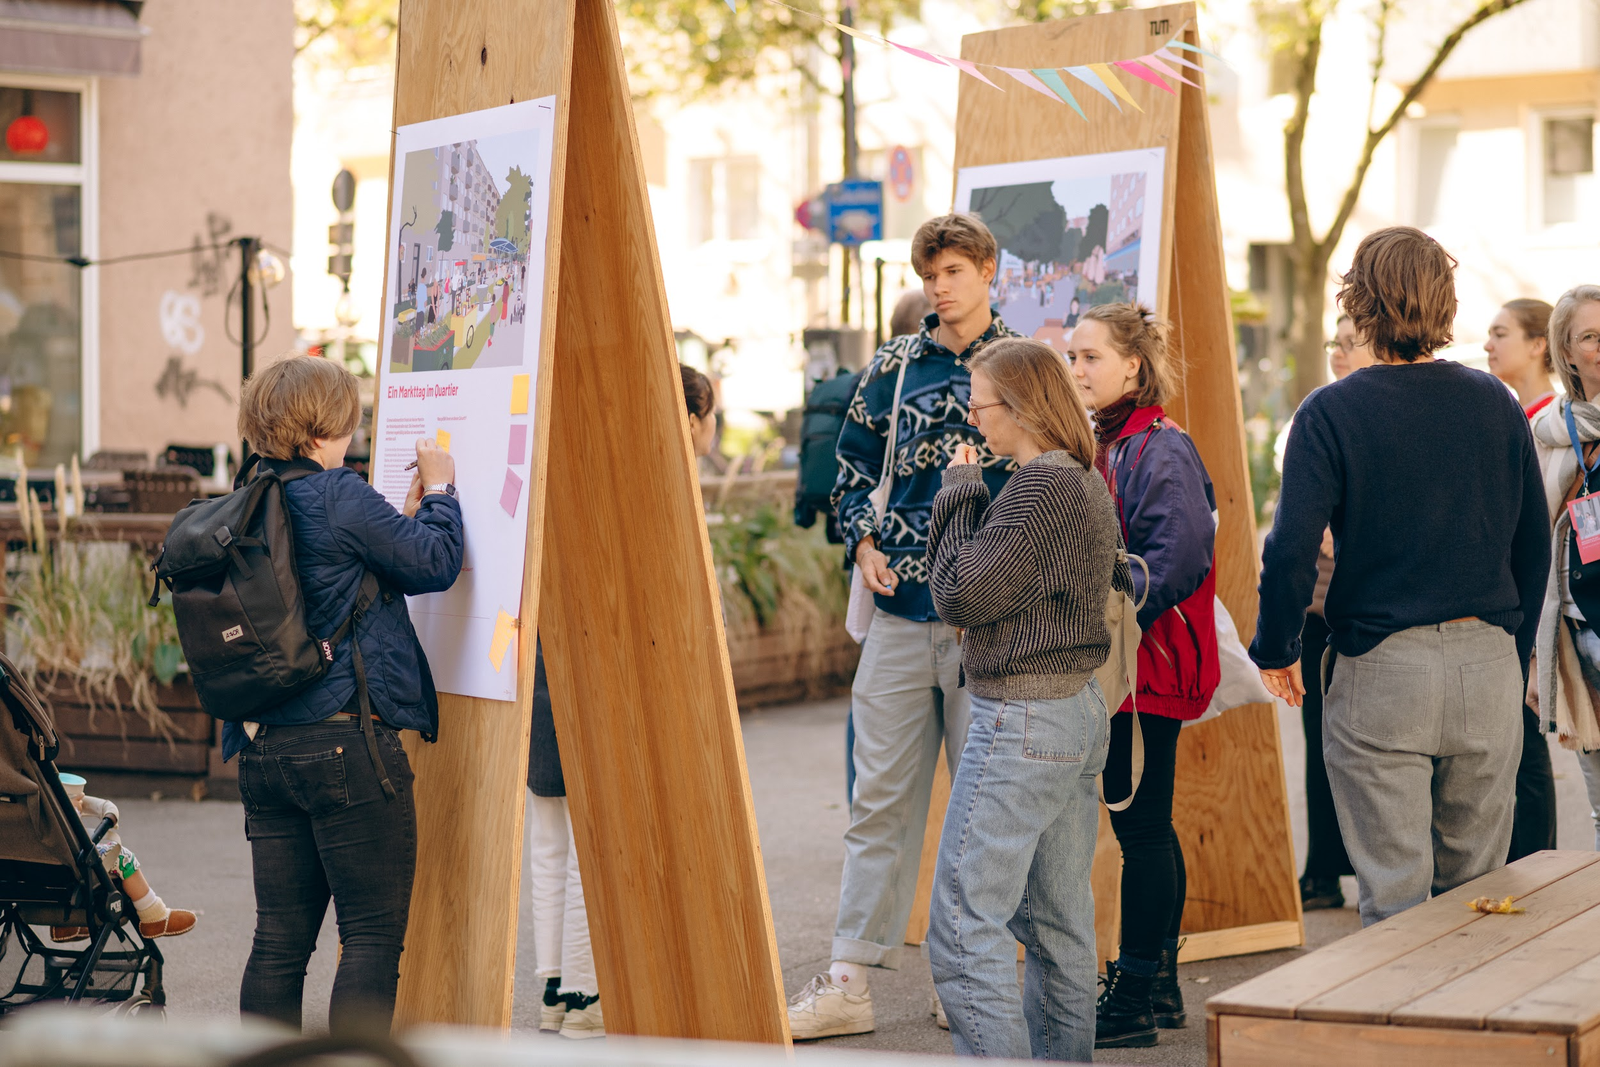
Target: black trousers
point(1533, 826)
point(320, 828)
point(1154, 882)
point(1325, 854)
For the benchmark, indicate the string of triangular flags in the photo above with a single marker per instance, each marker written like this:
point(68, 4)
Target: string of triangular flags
point(1101, 77)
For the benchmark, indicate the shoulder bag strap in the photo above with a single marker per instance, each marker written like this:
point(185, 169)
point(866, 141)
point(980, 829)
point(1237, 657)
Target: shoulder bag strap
point(364, 601)
point(886, 476)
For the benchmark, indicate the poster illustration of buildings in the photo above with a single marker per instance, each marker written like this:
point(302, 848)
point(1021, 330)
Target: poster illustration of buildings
point(463, 303)
point(1072, 232)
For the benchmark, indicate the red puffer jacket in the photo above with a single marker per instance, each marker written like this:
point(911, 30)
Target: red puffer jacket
point(1168, 510)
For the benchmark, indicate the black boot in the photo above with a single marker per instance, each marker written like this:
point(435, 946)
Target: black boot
point(1166, 999)
point(1122, 1016)
point(1319, 893)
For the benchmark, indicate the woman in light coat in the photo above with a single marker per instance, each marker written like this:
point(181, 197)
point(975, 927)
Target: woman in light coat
point(1565, 682)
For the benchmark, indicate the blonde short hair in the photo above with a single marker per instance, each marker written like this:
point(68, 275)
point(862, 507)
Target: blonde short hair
point(289, 404)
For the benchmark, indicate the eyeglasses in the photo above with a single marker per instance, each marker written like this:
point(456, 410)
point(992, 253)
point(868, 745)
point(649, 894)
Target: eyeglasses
point(1330, 347)
point(973, 409)
point(1588, 342)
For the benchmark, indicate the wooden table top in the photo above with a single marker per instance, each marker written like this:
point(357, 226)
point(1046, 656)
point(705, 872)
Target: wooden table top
point(1442, 964)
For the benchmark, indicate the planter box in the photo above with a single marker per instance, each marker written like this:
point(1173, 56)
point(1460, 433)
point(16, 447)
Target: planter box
point(789, 663)
point(108, 740)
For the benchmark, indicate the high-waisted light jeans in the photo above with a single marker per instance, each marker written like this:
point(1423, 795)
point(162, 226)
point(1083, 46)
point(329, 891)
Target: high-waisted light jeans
point(1014, 862)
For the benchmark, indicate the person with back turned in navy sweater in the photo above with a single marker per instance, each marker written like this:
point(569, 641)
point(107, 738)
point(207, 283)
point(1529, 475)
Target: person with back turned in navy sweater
point(1425, 470)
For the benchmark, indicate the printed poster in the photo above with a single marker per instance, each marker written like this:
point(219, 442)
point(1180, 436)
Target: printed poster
point(471, 206)
point(1073, 232)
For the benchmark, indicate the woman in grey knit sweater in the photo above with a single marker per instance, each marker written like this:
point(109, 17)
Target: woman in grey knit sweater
point(1027, 576)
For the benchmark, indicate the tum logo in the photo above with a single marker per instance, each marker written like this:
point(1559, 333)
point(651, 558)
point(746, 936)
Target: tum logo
point(1158, 26)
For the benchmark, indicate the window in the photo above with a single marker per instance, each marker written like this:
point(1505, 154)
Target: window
point(1568, 169)
point(43, 304)
point(743, 176)
point(1436, 148)
point(702, 201)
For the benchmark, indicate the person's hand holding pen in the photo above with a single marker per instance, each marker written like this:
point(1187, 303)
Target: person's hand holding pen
point(433, 466)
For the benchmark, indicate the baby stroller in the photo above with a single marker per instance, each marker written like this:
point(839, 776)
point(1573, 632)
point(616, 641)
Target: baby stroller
point(51, 874)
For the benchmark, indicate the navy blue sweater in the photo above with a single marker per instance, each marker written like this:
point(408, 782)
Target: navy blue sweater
point(1426, 473)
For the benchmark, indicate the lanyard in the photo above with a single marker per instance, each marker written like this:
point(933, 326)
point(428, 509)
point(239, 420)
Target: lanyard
point(1572, 435)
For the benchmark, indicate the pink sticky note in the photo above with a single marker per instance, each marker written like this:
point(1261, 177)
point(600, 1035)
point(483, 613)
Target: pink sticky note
point(517, 455)
point(511, 493)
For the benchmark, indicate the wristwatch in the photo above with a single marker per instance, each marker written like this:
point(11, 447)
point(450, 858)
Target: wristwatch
point(447, 488)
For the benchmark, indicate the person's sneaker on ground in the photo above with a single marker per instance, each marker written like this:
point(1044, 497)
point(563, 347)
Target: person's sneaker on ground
point(937, 1008)
point(178, 921)
point(824, 1009)
point(583, 1020)
point(1317, 894)
point(553, 1008)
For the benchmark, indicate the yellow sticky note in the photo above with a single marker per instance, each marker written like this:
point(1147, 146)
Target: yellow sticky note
point(443, 438)
point(519, 394)
point(505, 628)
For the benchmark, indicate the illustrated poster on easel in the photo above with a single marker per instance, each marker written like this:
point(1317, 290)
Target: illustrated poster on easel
point(466, 284)
point(1073, 232)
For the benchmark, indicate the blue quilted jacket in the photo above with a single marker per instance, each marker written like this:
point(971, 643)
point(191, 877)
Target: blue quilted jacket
point(343, 527)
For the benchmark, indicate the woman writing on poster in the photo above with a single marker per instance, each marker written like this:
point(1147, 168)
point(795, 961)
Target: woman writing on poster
point(1167, 511)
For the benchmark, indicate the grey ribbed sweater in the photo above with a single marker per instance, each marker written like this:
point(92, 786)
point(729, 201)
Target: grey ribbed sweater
point(1027, 576)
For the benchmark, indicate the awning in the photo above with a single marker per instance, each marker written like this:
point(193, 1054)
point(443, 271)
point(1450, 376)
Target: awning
point(70, 36)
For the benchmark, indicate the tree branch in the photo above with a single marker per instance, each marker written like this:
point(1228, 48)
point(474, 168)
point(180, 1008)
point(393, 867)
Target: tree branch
point(1294, 134)
point(1375, 137)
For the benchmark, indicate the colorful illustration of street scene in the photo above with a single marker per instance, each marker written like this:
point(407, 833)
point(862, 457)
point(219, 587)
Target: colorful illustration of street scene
point(1065, 246)
point(458, 283)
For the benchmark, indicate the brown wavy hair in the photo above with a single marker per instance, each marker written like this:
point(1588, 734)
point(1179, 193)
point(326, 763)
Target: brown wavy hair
point(287, 405)
point(697, 392)
point(1136, 331)
point(961, 232)
point(1533, 317)
point(1400, 293)
point(1033, 381)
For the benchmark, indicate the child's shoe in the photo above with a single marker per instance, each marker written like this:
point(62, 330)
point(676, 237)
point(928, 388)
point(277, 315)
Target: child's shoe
point(66, 935)
point(178, 921)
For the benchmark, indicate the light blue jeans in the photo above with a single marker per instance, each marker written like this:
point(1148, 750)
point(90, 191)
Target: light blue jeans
point(1014, 862)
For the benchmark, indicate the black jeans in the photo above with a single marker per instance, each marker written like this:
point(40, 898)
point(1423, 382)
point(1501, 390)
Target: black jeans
point(1154, 881)
point(319, 826)
point(1325, 854)
point(1533, 826)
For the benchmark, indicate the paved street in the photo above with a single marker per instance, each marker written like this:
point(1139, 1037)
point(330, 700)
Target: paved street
point(196, 856)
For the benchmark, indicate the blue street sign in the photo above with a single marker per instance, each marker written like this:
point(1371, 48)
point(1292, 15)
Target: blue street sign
point(855, 212)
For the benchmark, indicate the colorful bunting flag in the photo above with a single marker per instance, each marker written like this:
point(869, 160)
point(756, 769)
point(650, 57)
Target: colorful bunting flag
point(1053, 79)
point(1170, 57)
point(1193, 48)
point(1155, 64)
point(1093, 81)
point(919, 53)
point(1026, 78)
point(967, 66)
point(1115, 84)
point(1139, 70)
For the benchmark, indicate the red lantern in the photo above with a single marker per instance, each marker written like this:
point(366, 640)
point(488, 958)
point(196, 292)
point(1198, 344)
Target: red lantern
point(27, 134)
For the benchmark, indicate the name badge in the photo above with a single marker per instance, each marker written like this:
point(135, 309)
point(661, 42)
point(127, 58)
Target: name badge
point(1585, 515)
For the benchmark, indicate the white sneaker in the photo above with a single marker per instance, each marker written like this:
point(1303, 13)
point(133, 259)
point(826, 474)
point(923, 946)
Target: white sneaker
point(550, 1016)
point(584, 1023)
point(937, 1008)
point(824, 1009)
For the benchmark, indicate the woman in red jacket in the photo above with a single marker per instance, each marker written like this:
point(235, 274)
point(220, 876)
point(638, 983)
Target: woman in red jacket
point(1167, 510)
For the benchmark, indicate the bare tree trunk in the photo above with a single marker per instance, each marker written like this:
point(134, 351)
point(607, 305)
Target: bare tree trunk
point(1306, 336)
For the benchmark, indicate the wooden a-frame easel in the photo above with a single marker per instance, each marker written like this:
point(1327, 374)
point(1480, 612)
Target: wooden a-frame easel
point(619, 578)
point(1231, 806)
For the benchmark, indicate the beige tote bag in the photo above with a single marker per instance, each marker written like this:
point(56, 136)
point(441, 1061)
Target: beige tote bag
point(1119, 675)
point(858, 616)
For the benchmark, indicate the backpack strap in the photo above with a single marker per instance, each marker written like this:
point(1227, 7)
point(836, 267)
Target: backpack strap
point(364, 600)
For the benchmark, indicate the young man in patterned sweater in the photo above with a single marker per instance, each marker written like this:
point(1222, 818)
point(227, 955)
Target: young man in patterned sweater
point(907, 695)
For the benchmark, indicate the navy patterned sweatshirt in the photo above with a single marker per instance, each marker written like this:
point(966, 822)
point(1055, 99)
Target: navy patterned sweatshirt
point(933, 421)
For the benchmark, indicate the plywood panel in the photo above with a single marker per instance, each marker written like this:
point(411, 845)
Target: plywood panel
point(1231, 798)
point(1256, 1042)
point(626, 597)
point(1568, 1003)
point(461, 941)
point(1281, 991)
point(938, 801)
point(632, 625)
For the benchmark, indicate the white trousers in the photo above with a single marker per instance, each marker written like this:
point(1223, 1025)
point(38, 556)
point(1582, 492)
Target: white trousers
point(560, 922)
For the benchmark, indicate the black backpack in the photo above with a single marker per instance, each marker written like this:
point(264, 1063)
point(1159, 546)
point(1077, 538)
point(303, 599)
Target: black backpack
point(819, 449)
point(229, 562)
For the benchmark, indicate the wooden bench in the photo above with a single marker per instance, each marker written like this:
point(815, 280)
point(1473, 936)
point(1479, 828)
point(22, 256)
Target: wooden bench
point(1440, 984)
